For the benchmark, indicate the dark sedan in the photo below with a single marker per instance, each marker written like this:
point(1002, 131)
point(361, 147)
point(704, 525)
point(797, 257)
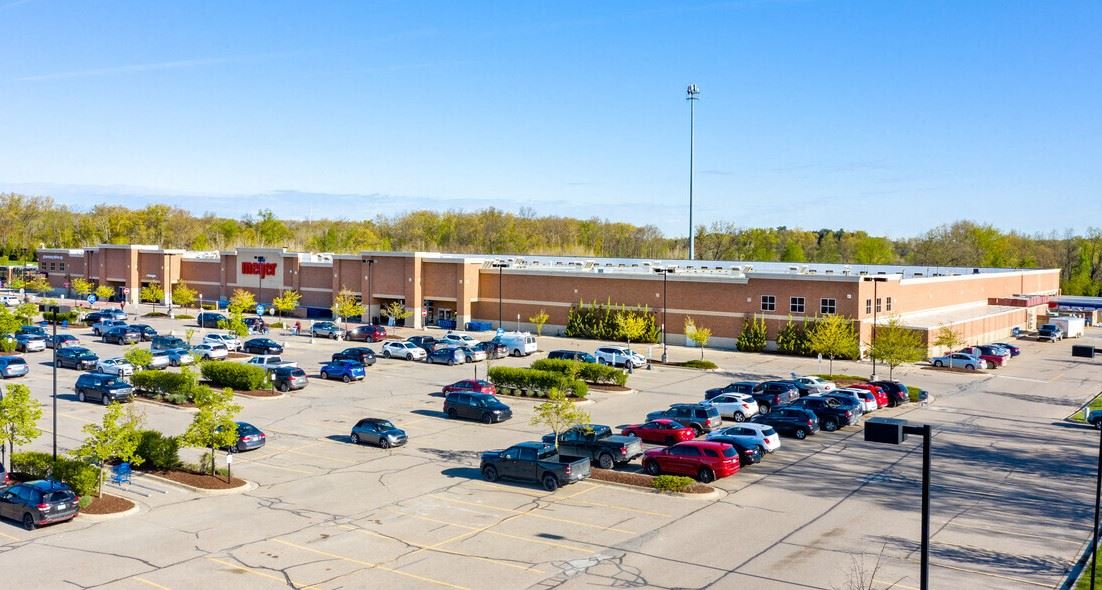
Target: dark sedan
point(76, 357)
point(795, 421)
point(262, 346)
point(479, 385)
point(62, 340)
point(145, 331)
point(361, 354)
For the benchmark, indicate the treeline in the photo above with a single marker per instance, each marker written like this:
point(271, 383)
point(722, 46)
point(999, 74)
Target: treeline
point(27, 223)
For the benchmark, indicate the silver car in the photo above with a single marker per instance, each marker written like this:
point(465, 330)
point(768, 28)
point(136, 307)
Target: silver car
point(326, 330)
point(210, 351)
point(160, 361)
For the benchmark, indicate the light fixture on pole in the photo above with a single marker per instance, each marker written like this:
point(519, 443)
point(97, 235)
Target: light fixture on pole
point(875, 310)
point(692, 95)
point(665, 274)
point(499, 266)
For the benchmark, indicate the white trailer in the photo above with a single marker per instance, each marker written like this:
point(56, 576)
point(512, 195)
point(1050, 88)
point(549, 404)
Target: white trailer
point(1072, 327)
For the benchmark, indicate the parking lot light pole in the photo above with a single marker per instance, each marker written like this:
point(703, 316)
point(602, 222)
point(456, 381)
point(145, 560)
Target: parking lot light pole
point(260, 284)
point(665, 273)
point(1097, 501)
point(370, 272)
point(499, 266)
point(894, 431)
point(875, 310)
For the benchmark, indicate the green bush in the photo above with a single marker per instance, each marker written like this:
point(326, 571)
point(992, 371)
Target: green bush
point(700, 364)
point(793, 338)
point(753, 335)
point(176, 388)
point(598, 322)
point(185, 316)
point(79, 475)
point(588, 372)
point(57, 318)
point(673, 483)
point(237, 376)
point(155, 314)
point(158, 451)
point(536, 381)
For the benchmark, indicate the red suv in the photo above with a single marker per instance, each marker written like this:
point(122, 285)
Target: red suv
point(368, 333)
point(479, 385)
point(705, 460)
point(881, 395)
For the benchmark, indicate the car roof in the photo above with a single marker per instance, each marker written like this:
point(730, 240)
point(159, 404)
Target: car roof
point(705, 444)
point(531, 444)
point(374, 420)
point(46, 485)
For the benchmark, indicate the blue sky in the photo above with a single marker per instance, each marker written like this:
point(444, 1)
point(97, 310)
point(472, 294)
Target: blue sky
point(891, 117)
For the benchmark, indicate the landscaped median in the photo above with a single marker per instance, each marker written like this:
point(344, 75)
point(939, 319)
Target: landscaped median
point(1081, 414)
point(180, 389)
point(534, 382)
point(669, 484)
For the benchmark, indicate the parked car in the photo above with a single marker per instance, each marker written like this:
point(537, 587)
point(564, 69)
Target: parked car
point(145, 331)
point(35, 330)
point(177, 357)
point(406, 350)
point(517, 343)
point(10, 300)
point(619, 356)
point(62, 340)
point(868, 399)
point(40, 502)
point(896, 391)
point(832, 416)
point(880, 396)
point(662, 431)
point(249, 437)
point(447, 356)
point(288, 378)
point(992, 360)
point(493, 350)
point(262, 346)
point(471, 354)
point(701, 417)
point(114, 313)
point(479, 385)
point(762, 436)
point(1014, 350)
point(747, 454)
point(95, 317)
point(426, 343)
point(534, 462)
point(270, 361)
point(845, 397)
point(476, 406)
point(103, 388)
point(1050, 332)
point(795, 421)
point(122, 335)
point(368, 333)
point(344, 370)
point(326, 330)
point(1094, 418)
point(208, 351)
point(106, 324)
point(378, 432)
point(739, 407)
point(169, 343)
point(210, 319)
point(76, 357)
point(958, 359)
point(115, 366)
point(572, 355)
point(815, 384)
point(230, 341)
point(735, 387)
point(703, 459)
point(159, 361)
point(30, 343)
point(361, 354)
point(458, 339)
point(598, 443)
point(13, 366)
point(994, 349)
point(771, 394)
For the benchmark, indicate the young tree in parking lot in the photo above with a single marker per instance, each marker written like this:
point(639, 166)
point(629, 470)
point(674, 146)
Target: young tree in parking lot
point(183, 295)
point(139, 357)
point(286, 302)
point(82, 287)
point(9, 322)
point(396, 310)
point(558, 413)
point(241, 301)
point(948, 339)
point(833, 336)
point(117, 437)
point(631, 326)
point(19, 415)
point(104, 292)
point(345, 305)
point(213, 426)
point(188, 335)
point(152, 292)
point(37, 284)
point(26, 312)
point(539, 320)
point(698, 335)
point(895, 345)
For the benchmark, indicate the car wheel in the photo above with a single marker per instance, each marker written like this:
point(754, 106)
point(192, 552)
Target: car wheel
point(57, 364)
point(355, 438)
point(451, 361)
point(706, 475)
point(103, 399)
point(386, 354)
point(346, 378)
point(409, 356)
point(80, 396)
point(324, 375)
point(601, 362)
point(516, 352)
point(1097, 424)
point(487, 418)
point(174, 363)
point(652, 468)
point(470, 359)
point(550, 482)
point(283, 387)
point(239, 448)
point(489, 473)
point(763, 451)
point(739, 417)
point(970, 367)
point(697, 430)
point(669, 440)
point(605, 461)
point(801, 433)
point(763, 409)
point(938, 364)
point(333, 335)
point(384, 443)
point(830, 425)
point(451, 413)
point(28, 522)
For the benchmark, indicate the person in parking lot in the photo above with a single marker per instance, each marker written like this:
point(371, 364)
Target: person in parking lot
point(298, 328)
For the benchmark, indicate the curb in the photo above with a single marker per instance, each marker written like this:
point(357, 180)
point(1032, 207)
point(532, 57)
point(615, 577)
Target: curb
point(612, 391)
point(583, 402)
point(279, 395)
point(128, 512)
point(164, 404)
point(249, 486)
point(715, 494)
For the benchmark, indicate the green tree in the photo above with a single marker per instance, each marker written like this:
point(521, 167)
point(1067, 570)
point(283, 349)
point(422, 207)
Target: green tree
point(213, 426)
point(9, 322)
point(26, 312)
point(82, 287)
point(183, 295)
point(632, 326)
point(240, 301)
point(152, 292)
point(345, 305)
point(37, 284)
point(396, 310)
point(117, 437)
point(792, 338)
point(104, 292)
point(287, 301)
point(753, 336)
point(558, 413)
point(895, 344)
point(539, 320)
point(948, 339)
point(833, 336)
point(188, 335)
point(697, 334)
point(139, 357)
point(19, 415)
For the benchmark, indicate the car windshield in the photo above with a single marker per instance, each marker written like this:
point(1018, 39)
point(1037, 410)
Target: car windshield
point(116, 382)
point(385, 425)
point(86, 355)
point(768, 431)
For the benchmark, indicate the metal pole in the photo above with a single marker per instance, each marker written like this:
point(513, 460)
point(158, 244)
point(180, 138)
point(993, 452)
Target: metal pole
point(692, 92)
point(1097, 501)
point(875, 309)
point(665, 323)
point(927, 435)
point(500, 294)
point(370, 276)
point(56, 312)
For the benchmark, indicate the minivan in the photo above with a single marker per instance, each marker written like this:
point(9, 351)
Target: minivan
point(476, 406)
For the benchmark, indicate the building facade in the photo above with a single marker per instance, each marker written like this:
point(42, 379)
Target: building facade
point(981, 304)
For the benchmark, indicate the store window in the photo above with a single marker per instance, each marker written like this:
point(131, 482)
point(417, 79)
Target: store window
point(828, 305)
point(796, 304)
point(768, 303)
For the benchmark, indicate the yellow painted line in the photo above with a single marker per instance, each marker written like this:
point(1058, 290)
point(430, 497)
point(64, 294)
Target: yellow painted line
point(77, 418)
point(549, 496)
point(260, 463)
point(371, 565)
point(894, 585)
point(147, 582)
point(991, 575)
point(435, 547)
point(500, 534)
point(6, 536)
point(248, 570)
point(535, 515)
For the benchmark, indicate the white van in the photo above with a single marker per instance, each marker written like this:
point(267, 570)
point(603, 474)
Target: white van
point(518, 343)
point(10, 300)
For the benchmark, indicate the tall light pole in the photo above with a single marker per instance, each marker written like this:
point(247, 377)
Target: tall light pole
point(875, 310)
point(499, 266)
point(665, 274)
point(1097, 501)
point(260, 285)
point(692, 95)
point(370, 271)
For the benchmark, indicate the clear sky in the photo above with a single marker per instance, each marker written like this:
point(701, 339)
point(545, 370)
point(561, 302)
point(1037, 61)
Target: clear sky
point(888, 116)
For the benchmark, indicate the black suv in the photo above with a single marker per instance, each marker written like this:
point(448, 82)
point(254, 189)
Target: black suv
point(145, 331)
point(167, 343)
point(701, 417)
point(795, 421)
point(770, 394)
point(746, 387)
point(361, 354)
point(37, 503)
point(209, 319)
point(288, 378)
point(897, 392)
point(476, 406)
point(831, 413)
point(262, 346)
point(572, 355)
point(76, 357)
point(122, 335)
point(102, 388)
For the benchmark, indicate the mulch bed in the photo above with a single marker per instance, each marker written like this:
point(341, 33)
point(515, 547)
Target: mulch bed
point(148, 400)
point(258, 393)
point(238, 355)
point(608, 387)
point(107, 504)
point(200, 480)
point(639, 480)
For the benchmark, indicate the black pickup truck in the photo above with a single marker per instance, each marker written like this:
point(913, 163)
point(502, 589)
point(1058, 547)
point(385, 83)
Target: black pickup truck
point(597, 442)
point(832, 416)
point(534, 462)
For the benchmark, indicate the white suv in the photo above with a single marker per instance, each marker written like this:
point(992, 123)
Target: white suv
point(230, 341)
point(816, 384)
point(116, 366)
point(619, 356)
point(456, 339)
point(403, 350)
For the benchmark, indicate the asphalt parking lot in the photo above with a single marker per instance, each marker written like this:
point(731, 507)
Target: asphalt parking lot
point(1012, 492)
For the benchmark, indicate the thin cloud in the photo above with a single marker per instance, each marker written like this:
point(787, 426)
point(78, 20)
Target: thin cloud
point(139, 68)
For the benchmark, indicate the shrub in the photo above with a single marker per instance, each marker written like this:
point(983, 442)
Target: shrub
point(537, 381)
point(57, 318)
point(155, 314)
point(237, 376)
point(753, 335)
point(80, 476)
point(158, 451)
point(793, 338)
point(185, 316)
point(601, 322)
point(672, 483)
point(177, 388)
point(588, 372)
point(700, 364)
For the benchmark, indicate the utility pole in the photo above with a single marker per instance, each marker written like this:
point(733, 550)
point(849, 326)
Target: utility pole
point(692, 93)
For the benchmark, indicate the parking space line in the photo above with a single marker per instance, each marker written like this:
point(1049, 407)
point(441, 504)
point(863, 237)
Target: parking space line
point(894, 585)
point(77, 418)
point(371, 565)
point(316, 456)
point(534, 515)
point(249, 570)
point(498, 533)
point(550, 496)
point(7, 536)
point(259, 463)
point(149, 583)
point(991, 575)
point(436, 547)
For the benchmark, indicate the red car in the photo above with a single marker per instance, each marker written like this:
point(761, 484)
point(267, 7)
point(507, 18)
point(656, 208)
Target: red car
point(368, 333)
point(660, 432)
point(479, 385)
point(706, 460)
point(881, 395)
point(994, 361)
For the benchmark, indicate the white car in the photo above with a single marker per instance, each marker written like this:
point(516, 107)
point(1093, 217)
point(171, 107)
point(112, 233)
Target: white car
point(758, 435)
point(868, 399)
point(403, 350)
point(230, 341)
point(739, 407)
point(116, 366)
point(210, 351)
point(10, 300)
point(457, 339)
point(619, 356)
point(271, 361)
point(816, 384)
